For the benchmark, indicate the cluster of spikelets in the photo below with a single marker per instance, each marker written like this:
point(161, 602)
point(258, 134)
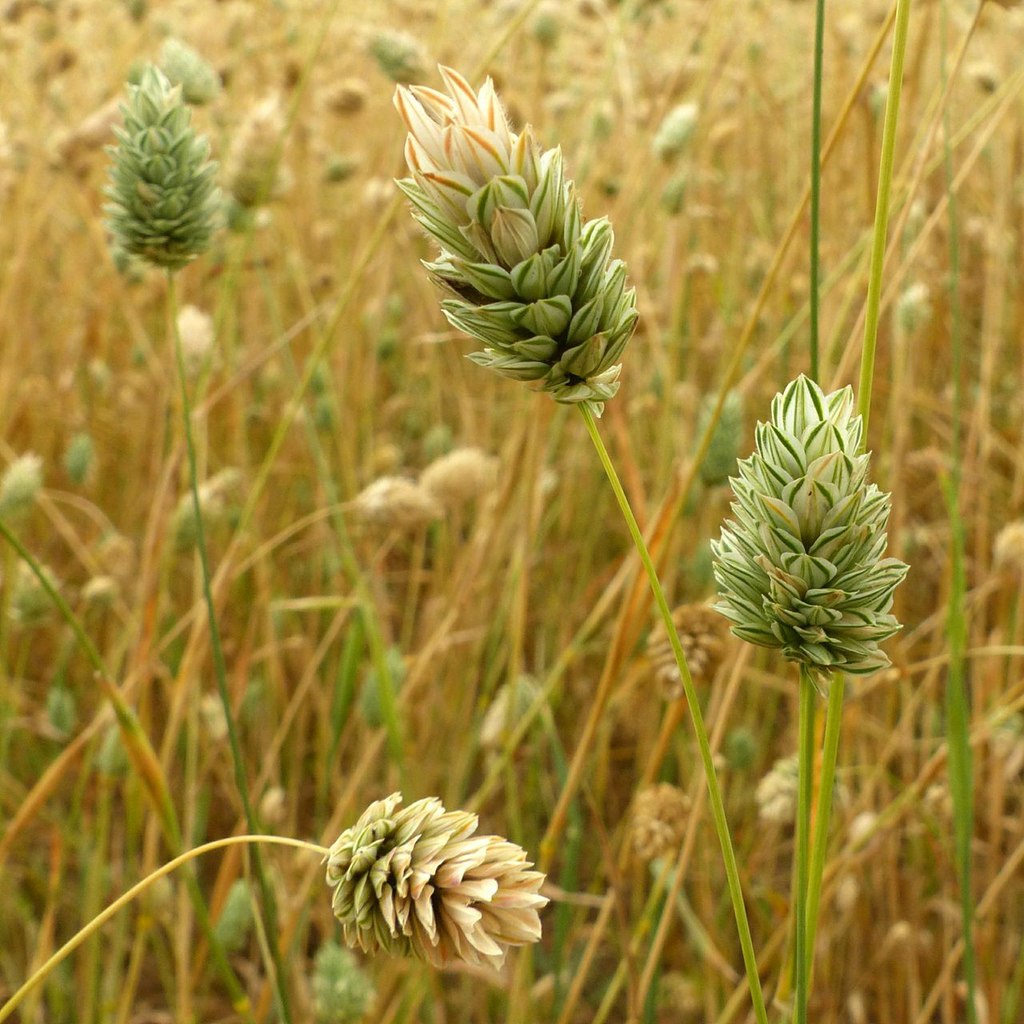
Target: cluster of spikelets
point(526, 275)
point(164, 204)
point(800, 568)
point(416, 881)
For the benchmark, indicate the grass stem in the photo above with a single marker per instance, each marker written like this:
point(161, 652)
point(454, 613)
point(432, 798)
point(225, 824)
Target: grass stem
point(44, 969)
point(220, 669)
point(823, 814)
point(714, 791)
point(892, 109)
point(819, 47)
point(805, 793)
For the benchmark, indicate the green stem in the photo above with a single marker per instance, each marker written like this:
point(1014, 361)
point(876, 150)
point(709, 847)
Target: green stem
point(874, 300)
point(124, 899)
point(220, 669)
point(819, 47)
point(819, 843)
point(803, 834)
point(714, 791)
point(958, 707)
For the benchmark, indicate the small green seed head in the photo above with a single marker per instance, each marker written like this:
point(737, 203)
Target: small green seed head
point(800, 568)
point(163, 197)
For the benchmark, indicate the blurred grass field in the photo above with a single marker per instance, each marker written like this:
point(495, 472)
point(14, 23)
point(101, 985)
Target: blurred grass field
point(519, 582)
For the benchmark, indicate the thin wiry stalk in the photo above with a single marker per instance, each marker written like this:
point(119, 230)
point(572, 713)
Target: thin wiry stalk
point(819, 842)
point(892, 109)
point(714, 791)
point(819, 46)
point(46, 968)
point(220, 670)
point(958, 710)
point(808, 696)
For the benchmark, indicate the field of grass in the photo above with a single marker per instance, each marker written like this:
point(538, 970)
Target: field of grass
point(490, 638)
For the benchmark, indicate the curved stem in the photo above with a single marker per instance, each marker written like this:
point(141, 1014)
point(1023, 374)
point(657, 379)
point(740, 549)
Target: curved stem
point(136, 890)
point(819, 843)
point(146, 763)
point(892, 109)
point(803, 830)
point(714, 791)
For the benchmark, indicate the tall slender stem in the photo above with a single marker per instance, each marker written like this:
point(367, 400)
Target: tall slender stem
point(714, 791)
point(892, 109)
point(819, 842)
point(819, 47)
point(803, 832)
point(220, 669)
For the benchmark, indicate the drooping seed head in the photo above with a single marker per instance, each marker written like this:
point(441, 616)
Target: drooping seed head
point(415, 881)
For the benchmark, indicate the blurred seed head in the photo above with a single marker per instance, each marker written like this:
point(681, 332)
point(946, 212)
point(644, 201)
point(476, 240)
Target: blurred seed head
point(702, 633)
point(254, 172)
point(415, 881)
point(186, 67)
point(507, 708)
point(400, 56)
point(675, 131)
point(100, 592)
point(460, 476)
point(20, 484)
point(740, 749)
point(720, 460)
point(777, 792)
point(346, 96)
point(211, 714)
point(1008, 550)
point(30, 604)
point(342, 992)
point(658, 821)
point(79, 457)
point(195, 329)
point(395, 501)
point(914, 307)
point(273, 808)
point(217, 503)
point(234, 925)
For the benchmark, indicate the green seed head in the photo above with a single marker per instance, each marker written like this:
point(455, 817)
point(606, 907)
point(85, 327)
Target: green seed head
point(163, 198)
point(800, 567)
point(525, 275)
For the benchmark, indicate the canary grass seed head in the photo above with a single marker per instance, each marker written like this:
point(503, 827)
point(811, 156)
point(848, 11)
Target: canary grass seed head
point(394, 501)
point(416, 881)
point(163, 198)
point(342, 993)
point(659, 819)
point(254, 174)
point(460, 476)
point(20, 484)
point(800, 567)
point(525, 274)
point(186, 67)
